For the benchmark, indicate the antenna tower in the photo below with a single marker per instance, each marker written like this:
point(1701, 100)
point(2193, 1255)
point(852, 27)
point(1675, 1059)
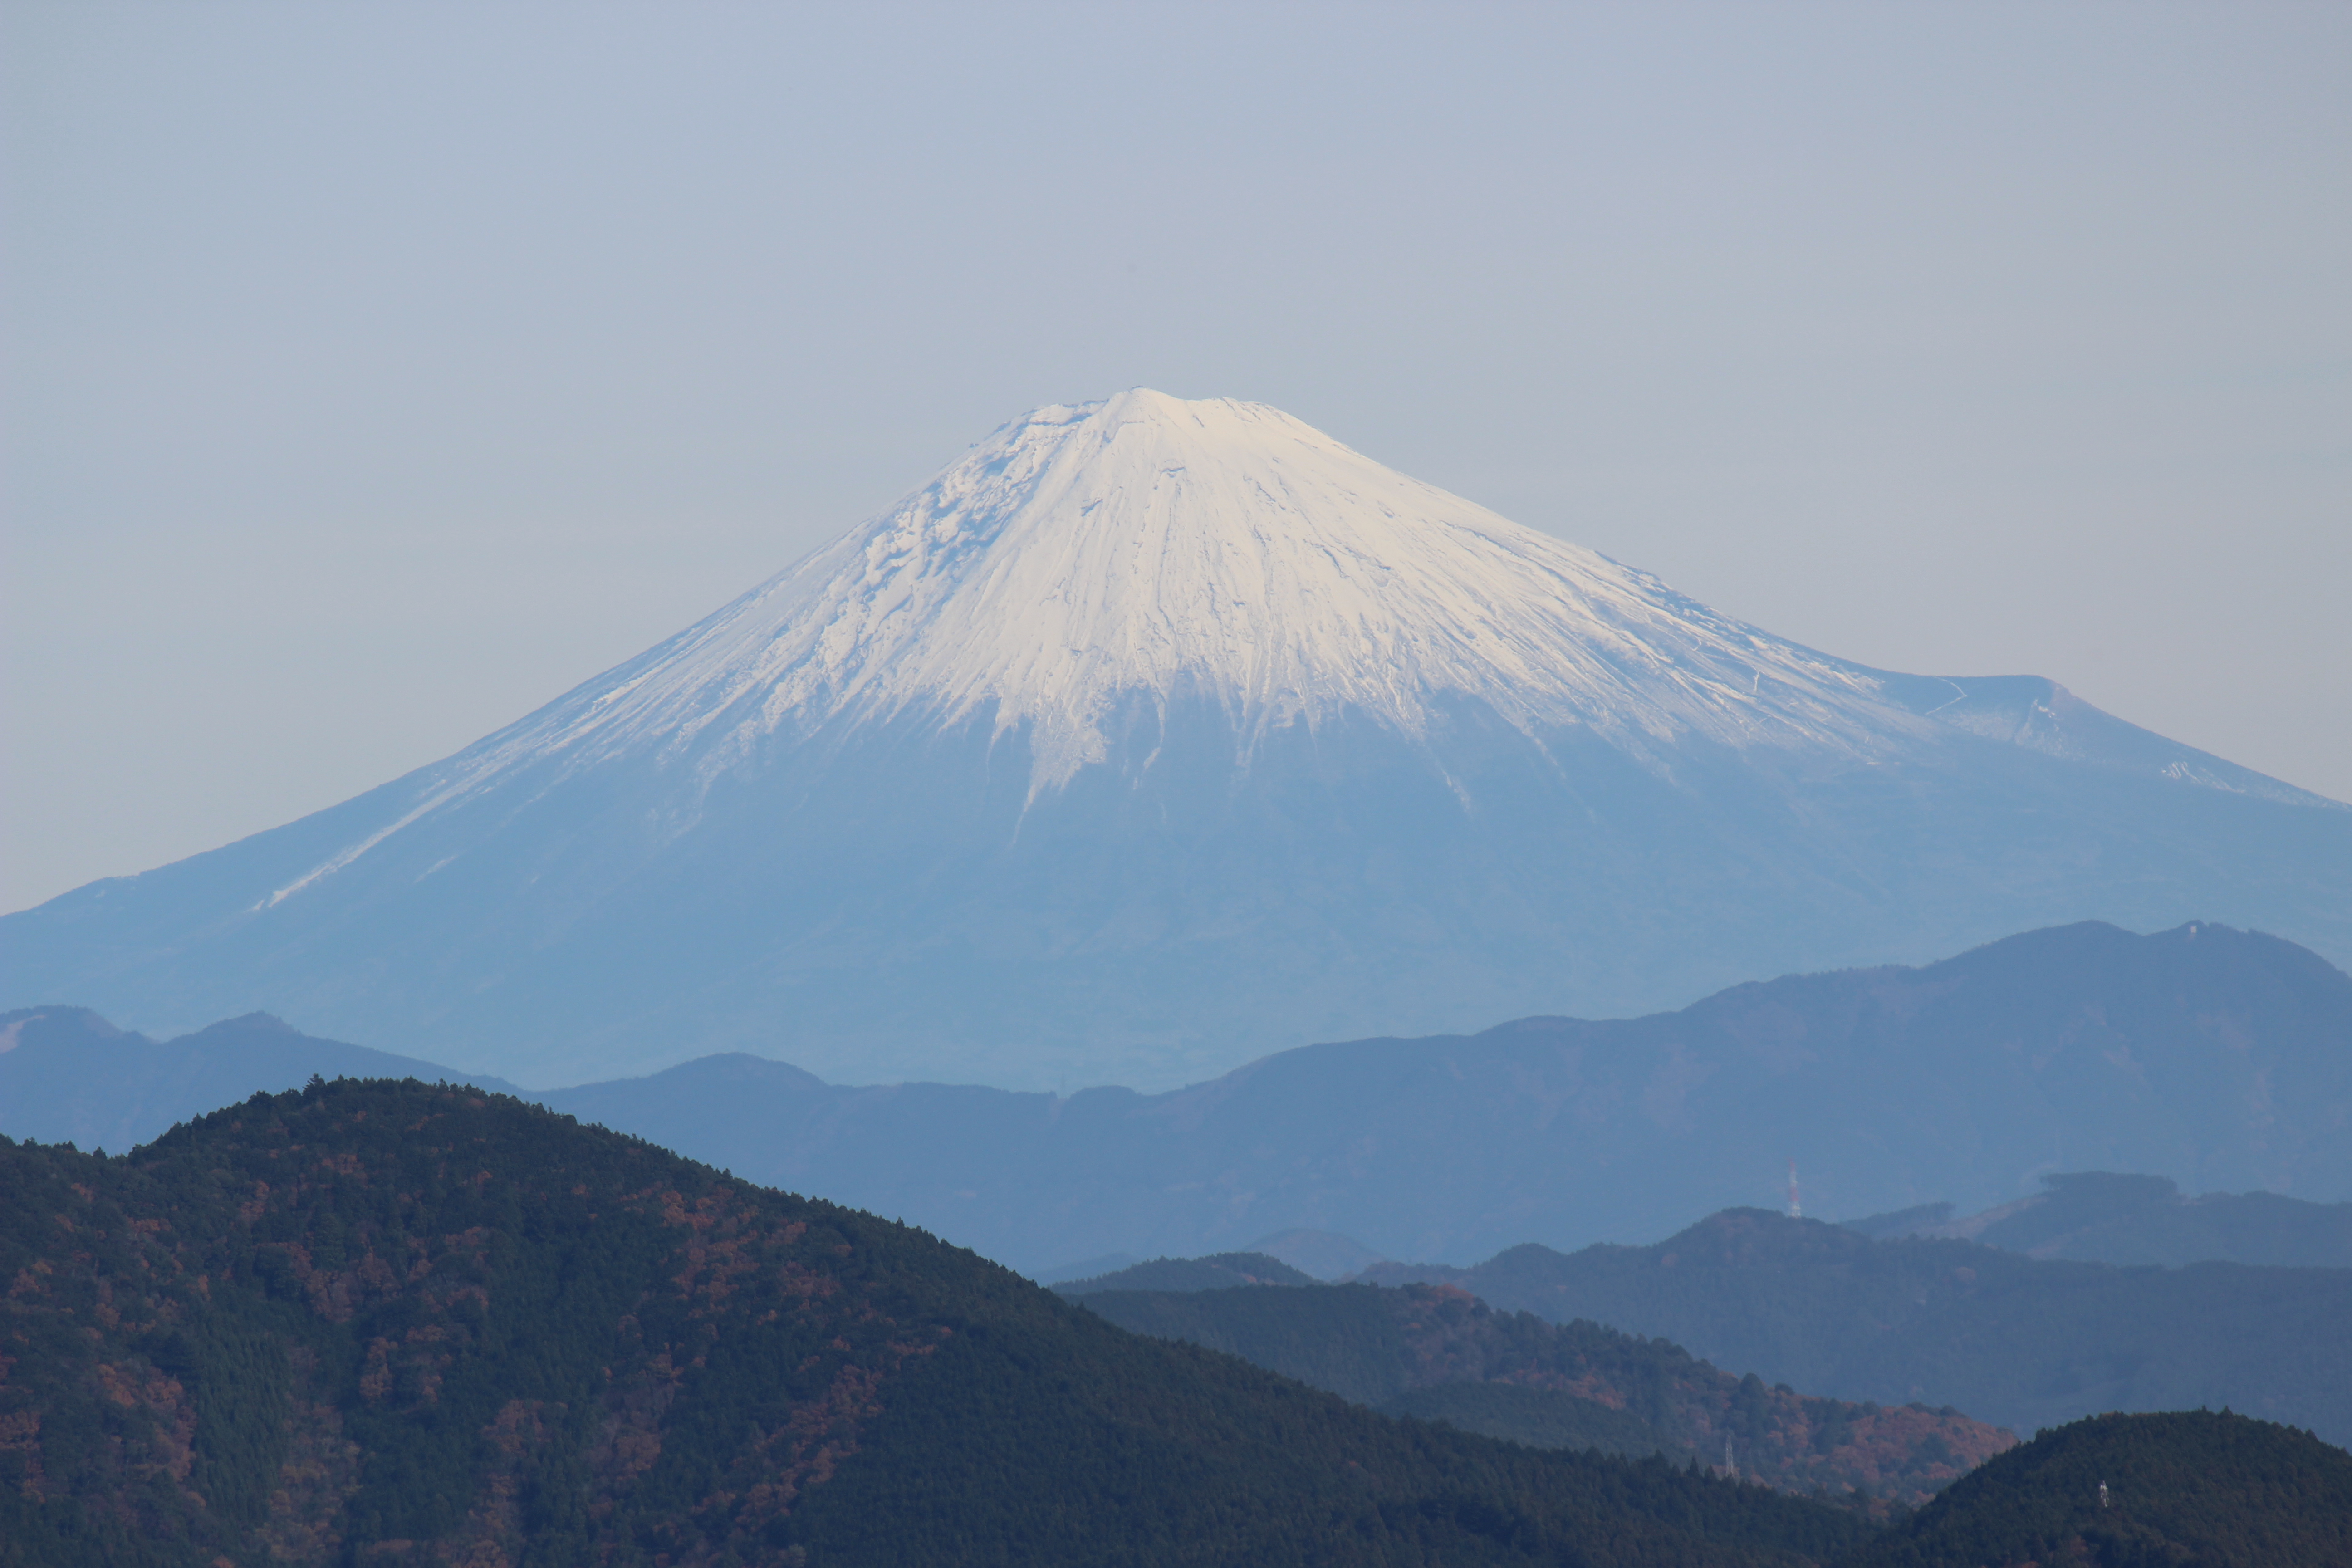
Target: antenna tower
point(1796, 1209)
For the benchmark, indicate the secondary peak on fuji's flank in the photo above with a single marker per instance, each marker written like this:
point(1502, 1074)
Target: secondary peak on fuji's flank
point(1148, 547)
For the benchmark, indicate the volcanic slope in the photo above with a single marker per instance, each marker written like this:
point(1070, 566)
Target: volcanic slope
point(1153, 735)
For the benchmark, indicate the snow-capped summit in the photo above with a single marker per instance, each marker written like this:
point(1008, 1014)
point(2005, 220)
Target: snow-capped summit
point(1152, 733)
point(1149, 545)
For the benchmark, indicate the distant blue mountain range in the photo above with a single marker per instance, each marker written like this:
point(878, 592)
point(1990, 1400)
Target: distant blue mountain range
point(1153, 737)
point(2217, 1058)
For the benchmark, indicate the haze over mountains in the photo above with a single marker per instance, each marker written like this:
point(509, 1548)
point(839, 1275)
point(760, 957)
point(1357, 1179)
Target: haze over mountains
point(2020, 1341)
point(2219, 1059)
point(1436, 1352)
point(2109, 1216)
point(1152, 736)
point(70, 1076)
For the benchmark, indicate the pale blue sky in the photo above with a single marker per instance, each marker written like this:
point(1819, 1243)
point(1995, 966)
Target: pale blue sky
point(373, 373)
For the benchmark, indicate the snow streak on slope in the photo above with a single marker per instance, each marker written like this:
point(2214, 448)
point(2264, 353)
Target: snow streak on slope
point(1149, 545)
point(1147, 549)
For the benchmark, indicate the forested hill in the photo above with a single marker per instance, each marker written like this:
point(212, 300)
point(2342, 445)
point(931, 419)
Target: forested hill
point(403, 1324)
point(2022, 1342)
point(2178, 1490)
point(1434, 1351)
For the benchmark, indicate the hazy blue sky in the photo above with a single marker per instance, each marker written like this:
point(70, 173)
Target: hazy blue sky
point(373, 373)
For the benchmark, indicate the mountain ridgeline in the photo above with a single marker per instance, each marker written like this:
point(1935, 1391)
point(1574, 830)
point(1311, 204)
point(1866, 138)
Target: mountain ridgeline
point(1152, 736)
point(1437, 1353)
point(2213, 1057)
point(395, 1323)
point(398, 1323)
point(2019, 1342)
point(2176, 1490)
point(1217, 1272)
point(2106, 1216)
point(69, 1076)
point(2218, 1057)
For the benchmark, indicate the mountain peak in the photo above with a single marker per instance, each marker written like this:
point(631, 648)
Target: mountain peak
point(1148, 547)
point(1154, 733)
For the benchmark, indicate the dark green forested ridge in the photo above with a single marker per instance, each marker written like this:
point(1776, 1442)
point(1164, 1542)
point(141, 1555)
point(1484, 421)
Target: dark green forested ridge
point(1538, 1418)
point(397, 1324)
point(2185, 1489)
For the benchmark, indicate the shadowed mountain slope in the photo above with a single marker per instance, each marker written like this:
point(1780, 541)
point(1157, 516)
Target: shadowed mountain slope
point(1512, 1374)
point(397, 1325)
point(2179, 1490)
point(1155, 735)
point(1537, 1418)
point(2013, 1340)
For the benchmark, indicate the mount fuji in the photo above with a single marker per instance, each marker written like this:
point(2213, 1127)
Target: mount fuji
point(1152, 736)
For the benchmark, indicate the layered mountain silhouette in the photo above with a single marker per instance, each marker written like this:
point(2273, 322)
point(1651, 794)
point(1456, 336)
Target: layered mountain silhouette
point(2215, 1058)
point(70, 1076)
point(1154, 735)
point(2108, 1216)
point(2219, 1059)
point(1439, 1354)
point(2022, 1342)
point(394, 1323)
point(400, 1323)
point(1223, 1270)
